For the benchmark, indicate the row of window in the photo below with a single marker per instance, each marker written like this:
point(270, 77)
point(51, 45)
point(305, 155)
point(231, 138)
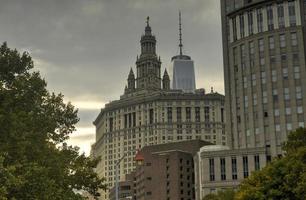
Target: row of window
point(234, 171)
point(247, 23)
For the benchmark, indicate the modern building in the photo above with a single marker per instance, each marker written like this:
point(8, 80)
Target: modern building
point(183, 68)
point(165, 171)
point(265, 79)
point(149, 113)
point(264, 71)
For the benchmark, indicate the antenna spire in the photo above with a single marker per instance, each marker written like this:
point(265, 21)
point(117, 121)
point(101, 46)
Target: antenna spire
point(180, 34)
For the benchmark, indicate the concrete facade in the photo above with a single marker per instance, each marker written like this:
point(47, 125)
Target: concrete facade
point(150, 113)
point(265, 86)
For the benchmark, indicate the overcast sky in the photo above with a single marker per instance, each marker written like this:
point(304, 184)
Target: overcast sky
point(85, 48)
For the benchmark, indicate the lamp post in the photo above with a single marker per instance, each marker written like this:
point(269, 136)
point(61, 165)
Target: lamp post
point(117, 175)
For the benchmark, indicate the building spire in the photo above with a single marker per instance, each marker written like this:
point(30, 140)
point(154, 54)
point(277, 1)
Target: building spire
point(148, 18)
point(180, 34)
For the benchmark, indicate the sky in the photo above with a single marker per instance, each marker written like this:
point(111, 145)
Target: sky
point(85, 48)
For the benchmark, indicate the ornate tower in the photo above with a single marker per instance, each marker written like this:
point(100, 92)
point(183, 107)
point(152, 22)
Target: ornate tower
point(166, 81)
point(148, 64)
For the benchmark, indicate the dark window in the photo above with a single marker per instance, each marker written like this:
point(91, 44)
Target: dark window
point(188, 113)
point(169, 114)
point(197, 114)
point(223, 172)
point(179, 114)
point(257, 163)
point(245, 166)
point(234, 168)
point(211, 169)
point(151, 116)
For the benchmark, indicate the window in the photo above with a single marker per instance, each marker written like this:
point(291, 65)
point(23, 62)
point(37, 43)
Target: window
point(270, 17)
point(285, 73)
point(288, 111)
point(178, 114)
point(197, 114)
point(206, 113)
point(253, 79)
point(277, 127)
point(261, 45)
point(257, 163)
point(286, 94)
point(298, 92)
point(276, 112)
point(264, 97)
point(259, 20)
point(282, 40)
point(296, 72)
point(280, 13)
point(275, 95)
point(299, 110)
point(211, 169)
point(169, 114)
point(292, 18)
point(246, 102)
point(243, 56)
point(271, 43)
point(289, 126)
point(301, 124)
point(274, 76)
point(188, 113)
point(250, 22)
point(293, 39)
point(254, 99)
point(263, 77)
point(245, 166)
point(234, 28)
point(245, 82)
point(234, 168)
point(241, 20)
point(252, 53)
point(223, 172)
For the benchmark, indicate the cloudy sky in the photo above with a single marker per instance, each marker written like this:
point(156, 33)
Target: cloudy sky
point(85, 48)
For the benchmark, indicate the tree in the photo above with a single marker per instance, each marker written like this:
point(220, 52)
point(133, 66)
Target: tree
point(35, 161)
point(284, 178)
point(228, 194)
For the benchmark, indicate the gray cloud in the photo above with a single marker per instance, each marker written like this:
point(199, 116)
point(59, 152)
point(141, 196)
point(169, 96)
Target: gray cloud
point(84, 48)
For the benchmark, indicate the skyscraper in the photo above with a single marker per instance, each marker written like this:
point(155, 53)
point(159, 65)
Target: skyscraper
point(264, 71)
point(265, 87)
point(183, 69)
point(150, 113)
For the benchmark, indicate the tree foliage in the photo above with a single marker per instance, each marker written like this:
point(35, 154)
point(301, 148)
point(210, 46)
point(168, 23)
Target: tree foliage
point(35, 161)
point(228, 194)
point(284, 178)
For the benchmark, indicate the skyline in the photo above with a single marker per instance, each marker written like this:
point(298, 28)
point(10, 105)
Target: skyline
point(76, 46)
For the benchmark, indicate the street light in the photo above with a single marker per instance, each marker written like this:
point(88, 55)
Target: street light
point(139, 159)
point(117, 175)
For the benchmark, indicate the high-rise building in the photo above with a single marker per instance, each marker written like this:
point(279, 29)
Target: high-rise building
point(149, 113)
point(265, 81)
point(183, 68)
point(264, 71)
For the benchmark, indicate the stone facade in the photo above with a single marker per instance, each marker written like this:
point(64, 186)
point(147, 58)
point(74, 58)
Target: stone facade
point(218, 168)
point(149, 113)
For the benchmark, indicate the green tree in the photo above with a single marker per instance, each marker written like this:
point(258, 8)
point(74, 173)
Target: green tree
point(284, 178)
point(35, 161)
point(228, 194)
